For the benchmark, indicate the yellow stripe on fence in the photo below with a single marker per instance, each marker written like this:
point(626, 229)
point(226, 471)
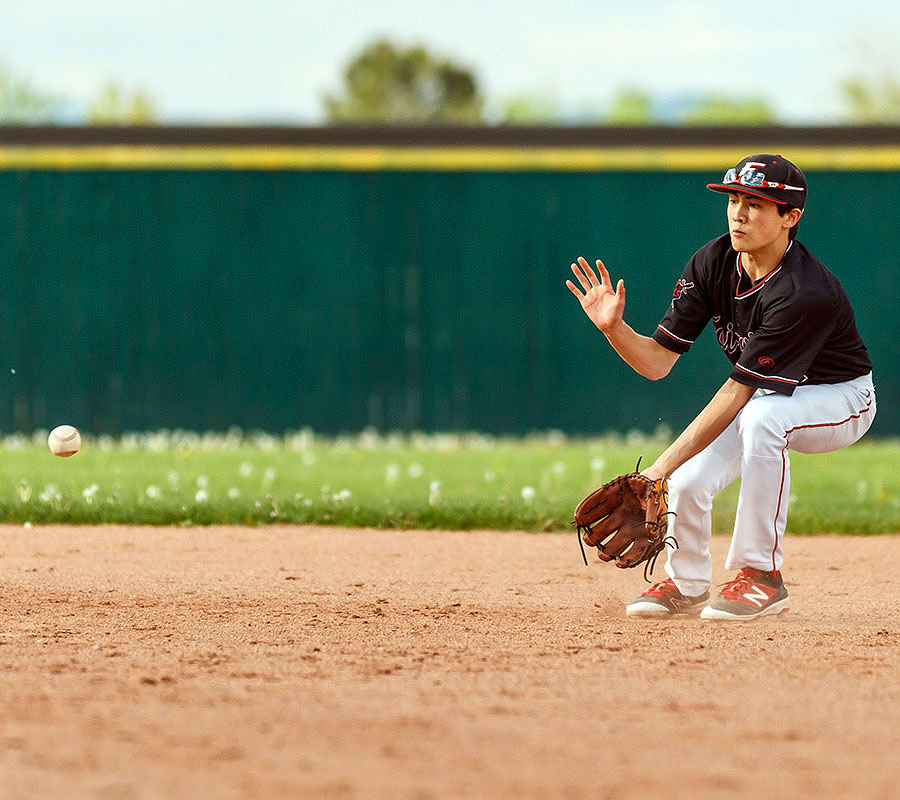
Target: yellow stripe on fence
point(485, 159)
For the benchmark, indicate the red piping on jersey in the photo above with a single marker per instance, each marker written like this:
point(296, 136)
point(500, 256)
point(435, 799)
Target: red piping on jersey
point(756, 286)
point(784, 460)
point(760, 283)
point(673, 336)
point(766, 377)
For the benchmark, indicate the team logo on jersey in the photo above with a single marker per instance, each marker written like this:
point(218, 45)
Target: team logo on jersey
point(765, 361)
point(730, 339)
point(681, 287)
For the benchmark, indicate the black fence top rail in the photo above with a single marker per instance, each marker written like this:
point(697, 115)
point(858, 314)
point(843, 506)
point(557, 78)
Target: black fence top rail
point(443, 136)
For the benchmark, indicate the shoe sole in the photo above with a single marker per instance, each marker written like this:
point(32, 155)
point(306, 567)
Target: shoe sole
point(710, 613)
point(656, 611)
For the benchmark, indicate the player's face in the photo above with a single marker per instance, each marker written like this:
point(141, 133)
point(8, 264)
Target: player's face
point(753, 223)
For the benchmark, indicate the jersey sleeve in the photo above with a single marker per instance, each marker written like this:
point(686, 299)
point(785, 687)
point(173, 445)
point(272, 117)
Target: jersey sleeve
point(688, 312)
point(783, 347)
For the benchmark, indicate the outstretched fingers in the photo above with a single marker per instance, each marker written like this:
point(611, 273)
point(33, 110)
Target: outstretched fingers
point(588, 271)
point(604, 274)
point(583, 278)
point(589, 280)
point(574, 290)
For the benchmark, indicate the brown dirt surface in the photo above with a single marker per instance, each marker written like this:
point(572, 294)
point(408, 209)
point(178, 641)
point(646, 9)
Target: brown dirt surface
point(295, 662)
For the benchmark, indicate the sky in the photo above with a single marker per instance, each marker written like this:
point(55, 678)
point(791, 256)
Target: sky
point(272, 61)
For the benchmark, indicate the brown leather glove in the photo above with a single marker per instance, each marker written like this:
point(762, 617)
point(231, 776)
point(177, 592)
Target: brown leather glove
point(626, 520)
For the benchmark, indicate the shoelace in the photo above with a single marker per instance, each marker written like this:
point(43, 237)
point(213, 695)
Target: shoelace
point(663, 589)
point(735, 589)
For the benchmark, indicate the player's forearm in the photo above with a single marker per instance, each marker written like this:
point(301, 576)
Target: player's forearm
point(644, 355)
point(706, 427)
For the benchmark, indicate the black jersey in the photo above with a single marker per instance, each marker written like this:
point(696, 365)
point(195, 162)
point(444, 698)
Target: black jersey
point(794, 326)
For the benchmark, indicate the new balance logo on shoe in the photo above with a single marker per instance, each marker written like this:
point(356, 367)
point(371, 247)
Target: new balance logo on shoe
point(752, 594)
point(756, 596)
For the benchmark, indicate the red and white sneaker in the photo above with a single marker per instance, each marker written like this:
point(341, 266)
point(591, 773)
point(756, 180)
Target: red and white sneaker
point(662, 600)
point(752, 594)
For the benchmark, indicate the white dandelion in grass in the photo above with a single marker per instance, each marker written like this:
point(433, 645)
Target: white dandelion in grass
point(173, 478)
point(368, 439)
point(446, 441)
point(598, 464)
point(559, 467)
point(234, 493)
point(268, 477)
point(90, 493)
point(23, 489)
point(528, 494)
point(635, 437)
point(391, 473)
point(394, 441)
point(157, 442)
point(308, 458)
point(479, 442)
point(202, 496)
point(202, 482)
point(51, 494)
point(266, 442)
point(343, 496)
point(153, 492)
point(415, 470)
point(245, 469)
point(490, 476)
point(300, 440)
point(555, 438)
point(434, 493)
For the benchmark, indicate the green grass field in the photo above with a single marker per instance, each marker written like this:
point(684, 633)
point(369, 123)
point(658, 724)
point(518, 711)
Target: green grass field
point(416, 481)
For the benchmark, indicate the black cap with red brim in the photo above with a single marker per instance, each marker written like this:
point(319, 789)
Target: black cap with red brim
point(771, 177)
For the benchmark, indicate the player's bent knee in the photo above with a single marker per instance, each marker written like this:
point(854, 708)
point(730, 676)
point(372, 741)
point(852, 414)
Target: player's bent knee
point(694, 478)
point(761, 422)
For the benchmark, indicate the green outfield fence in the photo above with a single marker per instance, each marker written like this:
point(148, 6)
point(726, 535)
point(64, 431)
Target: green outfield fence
point(408, 280)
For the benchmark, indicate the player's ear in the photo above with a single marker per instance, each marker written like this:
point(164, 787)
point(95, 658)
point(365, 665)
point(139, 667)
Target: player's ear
point(791, 218)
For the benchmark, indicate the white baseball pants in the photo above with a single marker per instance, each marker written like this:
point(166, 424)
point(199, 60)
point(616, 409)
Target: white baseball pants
point(814, 419)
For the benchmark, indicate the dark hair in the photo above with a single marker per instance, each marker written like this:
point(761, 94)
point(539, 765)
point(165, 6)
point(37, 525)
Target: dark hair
point(782, 210)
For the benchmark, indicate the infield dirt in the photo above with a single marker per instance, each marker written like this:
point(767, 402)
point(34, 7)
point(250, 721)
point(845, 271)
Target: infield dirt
point(293, 662)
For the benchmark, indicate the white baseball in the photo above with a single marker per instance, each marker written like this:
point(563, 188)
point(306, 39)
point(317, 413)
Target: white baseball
point(64, 440)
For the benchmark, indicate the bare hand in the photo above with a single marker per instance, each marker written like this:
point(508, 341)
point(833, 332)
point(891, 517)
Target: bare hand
point(603, 306)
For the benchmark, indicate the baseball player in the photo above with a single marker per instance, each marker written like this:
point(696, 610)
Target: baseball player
point(801, 379)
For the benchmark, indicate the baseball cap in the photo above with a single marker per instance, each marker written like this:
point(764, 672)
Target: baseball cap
point(765, 175)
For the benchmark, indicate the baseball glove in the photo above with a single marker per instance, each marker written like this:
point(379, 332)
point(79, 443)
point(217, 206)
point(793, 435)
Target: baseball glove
point(626, 520)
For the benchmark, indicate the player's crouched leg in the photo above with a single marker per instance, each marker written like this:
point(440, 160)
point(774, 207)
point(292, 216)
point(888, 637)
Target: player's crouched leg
point(692, 488)
point(814, 419)
point(763, 424)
